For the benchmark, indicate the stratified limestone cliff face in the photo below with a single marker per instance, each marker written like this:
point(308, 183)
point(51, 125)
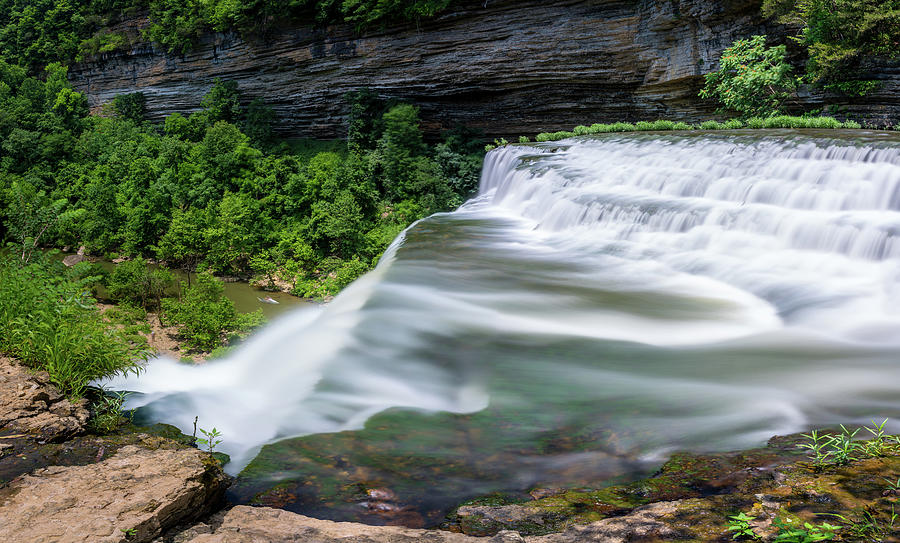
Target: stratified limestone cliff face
point(504, 66)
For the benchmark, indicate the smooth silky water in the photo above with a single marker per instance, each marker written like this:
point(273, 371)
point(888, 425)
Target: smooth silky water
point(603, 302)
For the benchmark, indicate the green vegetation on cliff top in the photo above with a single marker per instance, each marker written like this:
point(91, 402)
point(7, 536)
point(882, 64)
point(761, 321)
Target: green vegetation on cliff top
point(36, 32)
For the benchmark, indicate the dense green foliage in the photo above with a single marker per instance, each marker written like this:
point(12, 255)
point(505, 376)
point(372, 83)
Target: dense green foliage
point(49, 321)
point(840, 35)
point(136, 283)
point(752, 79)
point(34, 33)
point(201, 190)
point(204, 316)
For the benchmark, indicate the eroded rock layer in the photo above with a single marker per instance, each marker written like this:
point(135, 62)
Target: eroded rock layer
point(505, 66)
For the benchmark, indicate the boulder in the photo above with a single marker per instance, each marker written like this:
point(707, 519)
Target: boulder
point(133, 496)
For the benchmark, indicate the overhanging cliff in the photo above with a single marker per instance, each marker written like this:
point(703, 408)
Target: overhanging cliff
point(504, 66)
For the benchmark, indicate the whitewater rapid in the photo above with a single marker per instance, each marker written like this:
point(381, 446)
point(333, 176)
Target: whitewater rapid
point(709, 290)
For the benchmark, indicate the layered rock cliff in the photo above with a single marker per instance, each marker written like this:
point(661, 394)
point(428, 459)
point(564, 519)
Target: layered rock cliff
point(504, 66)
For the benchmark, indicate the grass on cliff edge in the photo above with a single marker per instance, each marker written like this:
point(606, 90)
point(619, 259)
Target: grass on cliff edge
point(780, 121)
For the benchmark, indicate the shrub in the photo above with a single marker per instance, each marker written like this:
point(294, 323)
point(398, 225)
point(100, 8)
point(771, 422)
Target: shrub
point(136, 282)
point(663, 125)
point(712, 125)
point(204, 316)
point(334, 276)
point(622, 127)
point(51, 323)
point(752, 79)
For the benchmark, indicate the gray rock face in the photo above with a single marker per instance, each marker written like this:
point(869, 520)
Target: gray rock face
point(132, 496)
point(505, 66)
point(29, 404)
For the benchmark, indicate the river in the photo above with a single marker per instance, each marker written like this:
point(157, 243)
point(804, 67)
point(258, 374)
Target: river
point(602, 302)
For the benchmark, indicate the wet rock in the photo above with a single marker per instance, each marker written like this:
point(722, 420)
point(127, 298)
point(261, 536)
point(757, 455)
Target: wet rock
point(650, 522)
point(71, 260)
point(30, 404)
point(133, 496)
point(386, 472)
point(487, 520)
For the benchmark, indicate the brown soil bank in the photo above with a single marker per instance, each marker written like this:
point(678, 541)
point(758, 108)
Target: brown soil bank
point(505, 66)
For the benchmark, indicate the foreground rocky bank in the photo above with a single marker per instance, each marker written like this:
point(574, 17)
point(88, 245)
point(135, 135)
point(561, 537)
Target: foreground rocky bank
point(60, 484)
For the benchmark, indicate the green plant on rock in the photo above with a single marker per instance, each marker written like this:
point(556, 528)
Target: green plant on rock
point(740, 525)
point(866, 525)
point(106, 411)
point(790, 531)
point(878, 444)
point(210, 439)
point(892, 487)
point(843, 447)
point(817, 445)
point(752, 79)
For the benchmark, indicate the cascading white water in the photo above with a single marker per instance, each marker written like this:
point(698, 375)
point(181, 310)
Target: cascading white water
point(705, 291)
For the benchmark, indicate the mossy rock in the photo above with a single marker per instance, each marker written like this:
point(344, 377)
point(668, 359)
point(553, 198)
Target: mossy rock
point(769, 482)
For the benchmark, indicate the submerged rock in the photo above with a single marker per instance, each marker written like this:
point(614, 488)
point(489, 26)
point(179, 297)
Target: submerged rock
point(30, 404)
point(692, 496)
point(133, 496)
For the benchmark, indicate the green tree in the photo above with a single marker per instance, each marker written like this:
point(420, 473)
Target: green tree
point(258, 121)
point(204, 316)
point(237, 231)
point(134, 281)
point(752, 79)
point(131, 106)
point(30, 215)
point(185, 243)
point(398, 147)
point(840, 36)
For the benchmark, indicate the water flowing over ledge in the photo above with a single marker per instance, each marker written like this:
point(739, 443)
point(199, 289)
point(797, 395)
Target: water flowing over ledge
point(643, 292)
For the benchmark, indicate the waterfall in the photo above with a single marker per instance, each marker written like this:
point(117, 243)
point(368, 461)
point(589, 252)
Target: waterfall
point(811, 227)
point(699, 290)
